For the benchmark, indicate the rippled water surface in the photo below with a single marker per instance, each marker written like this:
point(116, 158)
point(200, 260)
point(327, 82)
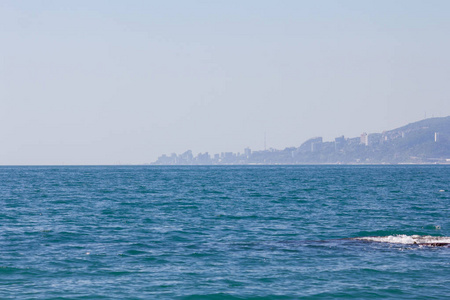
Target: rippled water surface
point(225, 232)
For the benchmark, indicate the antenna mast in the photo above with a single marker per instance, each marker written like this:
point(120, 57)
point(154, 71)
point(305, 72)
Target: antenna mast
point(265, 141)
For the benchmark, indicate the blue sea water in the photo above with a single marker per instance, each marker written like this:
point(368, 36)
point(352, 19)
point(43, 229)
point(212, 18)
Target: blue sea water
point(225, 232)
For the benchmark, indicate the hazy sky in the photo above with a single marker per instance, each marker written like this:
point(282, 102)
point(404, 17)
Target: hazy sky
point(108, 82)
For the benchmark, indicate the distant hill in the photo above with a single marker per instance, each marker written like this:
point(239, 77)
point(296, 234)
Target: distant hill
point(425, 141)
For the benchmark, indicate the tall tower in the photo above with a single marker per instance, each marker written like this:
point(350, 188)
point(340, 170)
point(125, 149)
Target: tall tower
point(265, 141)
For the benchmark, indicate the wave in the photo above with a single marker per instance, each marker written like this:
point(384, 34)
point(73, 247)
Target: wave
point(426, 240)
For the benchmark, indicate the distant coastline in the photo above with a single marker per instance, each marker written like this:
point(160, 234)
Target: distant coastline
point(424, 142)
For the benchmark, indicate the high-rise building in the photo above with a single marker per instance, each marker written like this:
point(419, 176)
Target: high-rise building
point(364, 139)
point(247, 152)
point(339, 143)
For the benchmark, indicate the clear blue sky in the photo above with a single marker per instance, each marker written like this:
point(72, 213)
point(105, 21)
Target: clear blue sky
point(107, 82)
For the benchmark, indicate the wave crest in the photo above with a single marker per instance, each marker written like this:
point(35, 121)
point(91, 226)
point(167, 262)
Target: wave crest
point(408, 239)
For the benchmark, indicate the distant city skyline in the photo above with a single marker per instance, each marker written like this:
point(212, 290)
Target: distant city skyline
point(426, 141)
point(123, 82)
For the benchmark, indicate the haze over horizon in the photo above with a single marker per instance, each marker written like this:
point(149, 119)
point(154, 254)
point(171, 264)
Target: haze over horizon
point(115, 82)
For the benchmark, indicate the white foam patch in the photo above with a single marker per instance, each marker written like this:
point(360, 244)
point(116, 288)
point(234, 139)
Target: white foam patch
point(406, 239)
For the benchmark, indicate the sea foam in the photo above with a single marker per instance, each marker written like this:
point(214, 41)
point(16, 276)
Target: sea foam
point(408, 239)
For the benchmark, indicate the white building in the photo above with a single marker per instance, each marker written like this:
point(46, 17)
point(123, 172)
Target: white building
point(364, 139)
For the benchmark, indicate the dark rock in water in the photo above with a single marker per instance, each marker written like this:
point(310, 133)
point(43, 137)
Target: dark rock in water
point(434, 244)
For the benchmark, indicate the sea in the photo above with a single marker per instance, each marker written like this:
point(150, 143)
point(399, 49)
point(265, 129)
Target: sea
point(225, 232)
